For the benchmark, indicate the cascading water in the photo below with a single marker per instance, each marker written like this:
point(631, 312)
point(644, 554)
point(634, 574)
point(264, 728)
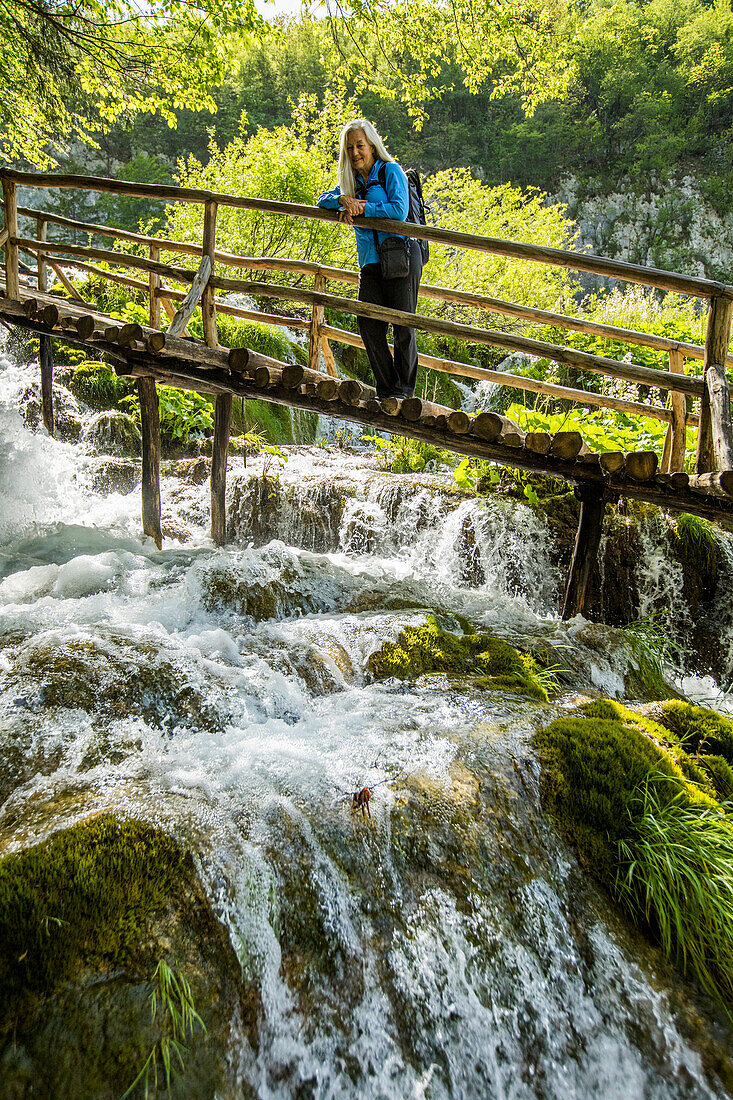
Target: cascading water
point(447, 947)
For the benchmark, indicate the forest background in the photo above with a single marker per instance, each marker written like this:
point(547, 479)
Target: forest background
point(605, 125)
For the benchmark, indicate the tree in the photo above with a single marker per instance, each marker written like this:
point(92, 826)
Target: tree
point(404, 48)
point(69, 68)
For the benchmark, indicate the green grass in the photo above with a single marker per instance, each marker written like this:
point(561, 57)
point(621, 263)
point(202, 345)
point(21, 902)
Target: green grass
point(677, 869)
point(171, 1003)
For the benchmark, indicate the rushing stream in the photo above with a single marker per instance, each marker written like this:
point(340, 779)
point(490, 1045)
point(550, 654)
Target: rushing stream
point(448, 946)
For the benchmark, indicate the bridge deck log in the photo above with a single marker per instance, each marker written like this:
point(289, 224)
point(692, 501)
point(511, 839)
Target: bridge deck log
point(215, 376)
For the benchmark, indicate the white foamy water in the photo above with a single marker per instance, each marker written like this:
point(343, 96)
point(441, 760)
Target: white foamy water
point(226, 694)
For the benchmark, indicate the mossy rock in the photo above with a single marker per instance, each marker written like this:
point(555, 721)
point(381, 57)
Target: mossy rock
point(113, 432)
point(420, 650)
point(115, 475)
point(85, 917)
point(112, 678)
point(595, 761)
point(699, 729)
point(97, 385)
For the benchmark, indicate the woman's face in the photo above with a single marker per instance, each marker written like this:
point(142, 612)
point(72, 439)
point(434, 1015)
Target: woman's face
point(359, 152)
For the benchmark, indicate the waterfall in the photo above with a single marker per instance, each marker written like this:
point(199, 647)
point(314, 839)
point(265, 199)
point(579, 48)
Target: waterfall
point(447, 946)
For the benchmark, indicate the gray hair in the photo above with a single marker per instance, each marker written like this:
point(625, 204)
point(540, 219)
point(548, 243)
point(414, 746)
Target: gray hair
point(346, 180)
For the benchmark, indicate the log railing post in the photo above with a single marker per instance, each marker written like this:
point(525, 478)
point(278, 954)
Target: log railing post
point(154, 283)
point(208, 311)
point(12, 279)
point(150, 423)
point(317, 320)
point(45, 344)
point(715, 435)
point(587, 540)
point(223, 406)
point(673, 457)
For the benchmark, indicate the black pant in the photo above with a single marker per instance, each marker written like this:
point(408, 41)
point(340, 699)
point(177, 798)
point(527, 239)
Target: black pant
point(392, 376)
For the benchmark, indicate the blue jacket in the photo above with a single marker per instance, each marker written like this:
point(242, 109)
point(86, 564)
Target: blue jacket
point(390, 201)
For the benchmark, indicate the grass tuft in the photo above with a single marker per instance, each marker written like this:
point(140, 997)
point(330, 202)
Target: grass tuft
point(677, 869)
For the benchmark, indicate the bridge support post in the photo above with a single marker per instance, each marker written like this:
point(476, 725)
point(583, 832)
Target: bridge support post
point(45, 344)
point(150, 422)
point(12, 277)
point(585, 552)
point(222, 424)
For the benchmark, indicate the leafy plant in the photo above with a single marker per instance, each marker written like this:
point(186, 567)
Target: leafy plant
point(172, 1002)
point(183, 413)
point(402, 455)
point(677, 868)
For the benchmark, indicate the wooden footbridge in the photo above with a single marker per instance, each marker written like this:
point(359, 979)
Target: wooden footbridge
point(174, 358)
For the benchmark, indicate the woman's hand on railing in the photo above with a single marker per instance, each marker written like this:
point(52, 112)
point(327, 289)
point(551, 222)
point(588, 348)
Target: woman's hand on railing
point(350, 208)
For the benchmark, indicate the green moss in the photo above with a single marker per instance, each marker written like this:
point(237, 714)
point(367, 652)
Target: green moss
point(699, 729)
point(235, 332)
point(429, 648)
point(720, 773)
point(98, 386)
point(83, 896)
point(593, 764)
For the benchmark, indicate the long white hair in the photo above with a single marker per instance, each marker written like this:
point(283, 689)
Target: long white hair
point(346, 179)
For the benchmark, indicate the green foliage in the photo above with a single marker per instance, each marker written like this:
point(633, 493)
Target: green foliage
point(677, 869)
point(696, 543)
point(429, 648)
point(85, 894)
point(172, 1004)
point(654, 649)
point(602, 429)
point(266, 339)
point(99, 386)
point(70, 69)
point(184, 414)
point(403, 455)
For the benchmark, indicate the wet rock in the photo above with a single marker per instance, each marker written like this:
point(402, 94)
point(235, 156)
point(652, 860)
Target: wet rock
point(89, 920)
point(112, 432)
point(66, 413)
point(115, 475)
point(273, 584)
point(113, 677)
point(195, 470)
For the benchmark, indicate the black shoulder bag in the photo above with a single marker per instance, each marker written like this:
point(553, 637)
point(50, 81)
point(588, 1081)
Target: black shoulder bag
point(393, 252)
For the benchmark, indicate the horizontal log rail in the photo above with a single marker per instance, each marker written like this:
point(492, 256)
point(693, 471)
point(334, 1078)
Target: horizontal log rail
point(557, 257)
point(581, 360)
point(427, 290)
point(648, 376)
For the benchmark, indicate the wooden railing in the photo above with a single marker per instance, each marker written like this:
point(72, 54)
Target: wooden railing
point(715, 436)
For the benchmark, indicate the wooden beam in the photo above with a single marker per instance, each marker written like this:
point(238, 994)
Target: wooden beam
point(585, 551)
point(427, 290)
point(222, 424)
point(123, 259)
point(189, 303)
point(12, 275)
point(715, 437)
point(615, 269)
point(677, 431)
point(208, 309)
point(646, 376)
point(718, 484)
point(45, 358)
point(150, 423)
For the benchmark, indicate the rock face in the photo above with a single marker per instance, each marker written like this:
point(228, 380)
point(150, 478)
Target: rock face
point(66, 413)
point(86, 918)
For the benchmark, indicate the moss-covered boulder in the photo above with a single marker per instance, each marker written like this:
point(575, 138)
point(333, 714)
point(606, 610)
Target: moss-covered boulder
point(594, 762)
point(97, 385)
point(89, 921)
point(429, 648)
point(113, 432)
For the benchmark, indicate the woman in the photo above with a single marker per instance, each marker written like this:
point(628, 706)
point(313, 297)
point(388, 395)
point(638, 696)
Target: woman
point(371, 184)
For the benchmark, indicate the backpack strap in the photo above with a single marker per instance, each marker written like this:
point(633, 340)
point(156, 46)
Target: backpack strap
point(364, 187)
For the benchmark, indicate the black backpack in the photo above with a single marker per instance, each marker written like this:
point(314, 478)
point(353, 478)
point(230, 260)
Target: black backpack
point(416, 213)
